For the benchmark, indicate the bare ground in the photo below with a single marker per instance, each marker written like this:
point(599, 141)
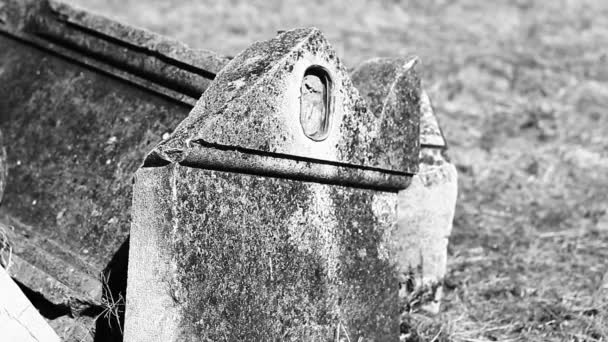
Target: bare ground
point(521, 90)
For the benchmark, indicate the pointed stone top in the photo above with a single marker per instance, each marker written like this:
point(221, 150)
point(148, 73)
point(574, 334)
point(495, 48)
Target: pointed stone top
point(292, 96)
point(380, 81)
point(430, 132)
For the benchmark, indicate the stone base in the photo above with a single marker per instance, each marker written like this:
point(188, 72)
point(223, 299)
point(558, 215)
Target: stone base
point(426, 211)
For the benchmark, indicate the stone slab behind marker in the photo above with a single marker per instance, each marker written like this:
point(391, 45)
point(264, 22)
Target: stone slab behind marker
point(426, 207)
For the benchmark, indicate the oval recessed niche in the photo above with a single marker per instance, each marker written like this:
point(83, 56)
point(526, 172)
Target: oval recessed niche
point(316, 103)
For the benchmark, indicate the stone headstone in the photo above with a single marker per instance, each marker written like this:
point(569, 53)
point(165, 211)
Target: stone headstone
point(269, 212)
point(82, 100)
point(426, 207)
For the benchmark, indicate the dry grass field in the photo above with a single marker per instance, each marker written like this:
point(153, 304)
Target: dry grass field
point(521, 90)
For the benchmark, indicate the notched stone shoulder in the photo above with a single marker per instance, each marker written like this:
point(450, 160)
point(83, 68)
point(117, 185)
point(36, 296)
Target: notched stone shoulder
point(255, 104)
point(381, 79)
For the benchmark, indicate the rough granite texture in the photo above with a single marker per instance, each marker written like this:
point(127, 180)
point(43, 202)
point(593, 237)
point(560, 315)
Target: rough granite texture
point(426, 207)
point(76, 137)
point(232, 241)
point(218, 256)
point(255, 105)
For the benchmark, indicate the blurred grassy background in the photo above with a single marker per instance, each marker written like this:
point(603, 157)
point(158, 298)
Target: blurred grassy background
point(521, 90)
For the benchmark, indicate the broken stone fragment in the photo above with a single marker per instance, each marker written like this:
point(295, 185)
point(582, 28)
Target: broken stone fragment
point(257, 221)
point(19, 319)
point(426, 207)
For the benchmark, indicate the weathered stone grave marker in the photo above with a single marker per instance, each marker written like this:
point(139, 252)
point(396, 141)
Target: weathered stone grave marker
point(269, 212)
point(82, 99)
point(426, 207)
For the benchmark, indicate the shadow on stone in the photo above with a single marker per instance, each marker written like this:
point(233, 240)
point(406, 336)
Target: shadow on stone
point(46, 308)
point(110, 324)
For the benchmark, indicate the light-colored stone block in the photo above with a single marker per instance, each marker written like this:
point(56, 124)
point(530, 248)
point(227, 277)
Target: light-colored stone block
point(19, 320)
point(426, 211)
